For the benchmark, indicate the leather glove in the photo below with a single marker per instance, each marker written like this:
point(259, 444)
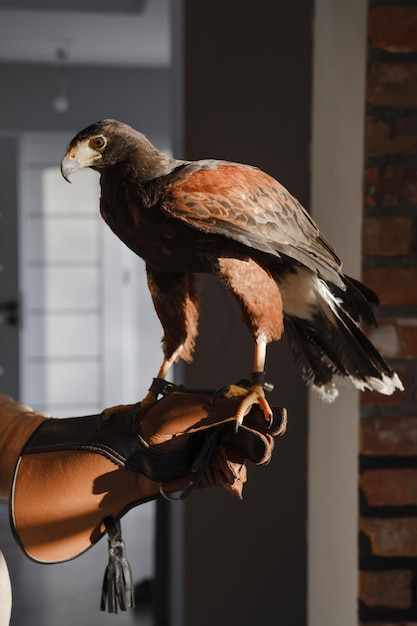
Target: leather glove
point(17, 422)
point(172, 423)
point(70, 474)
point(71, 480)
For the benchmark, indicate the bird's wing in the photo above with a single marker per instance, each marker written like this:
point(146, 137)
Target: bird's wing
point(246, 204)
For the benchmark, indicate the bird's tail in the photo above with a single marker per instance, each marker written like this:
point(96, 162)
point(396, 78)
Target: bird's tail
point(328, 344)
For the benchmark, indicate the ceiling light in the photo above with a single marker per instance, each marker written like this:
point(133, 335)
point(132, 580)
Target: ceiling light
point(60, 101)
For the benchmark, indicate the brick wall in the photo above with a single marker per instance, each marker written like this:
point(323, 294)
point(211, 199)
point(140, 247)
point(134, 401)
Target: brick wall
point(388, 444)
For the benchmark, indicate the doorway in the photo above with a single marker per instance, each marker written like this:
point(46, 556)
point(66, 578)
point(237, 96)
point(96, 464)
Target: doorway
point(86, 324)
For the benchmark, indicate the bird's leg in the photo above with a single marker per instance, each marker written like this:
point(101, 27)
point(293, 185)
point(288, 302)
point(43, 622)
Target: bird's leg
point(256, 394)
point(152, 395)
point(175, 299)
point(259, 297)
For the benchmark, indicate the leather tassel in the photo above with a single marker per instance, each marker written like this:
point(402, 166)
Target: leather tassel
point(117, 582)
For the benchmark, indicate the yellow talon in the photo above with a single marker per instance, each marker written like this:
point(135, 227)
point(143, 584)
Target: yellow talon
point(254, 395)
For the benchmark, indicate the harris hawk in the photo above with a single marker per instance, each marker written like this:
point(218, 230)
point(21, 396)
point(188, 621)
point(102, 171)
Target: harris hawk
point(238, 223)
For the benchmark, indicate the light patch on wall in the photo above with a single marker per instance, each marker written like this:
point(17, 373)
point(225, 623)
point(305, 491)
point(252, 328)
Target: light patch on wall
point(385, 339)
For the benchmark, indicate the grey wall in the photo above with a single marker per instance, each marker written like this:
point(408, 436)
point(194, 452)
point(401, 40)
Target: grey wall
point(9, 292)
point(140, 97)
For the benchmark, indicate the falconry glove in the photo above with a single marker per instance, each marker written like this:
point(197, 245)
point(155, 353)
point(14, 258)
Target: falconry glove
point(69, 481)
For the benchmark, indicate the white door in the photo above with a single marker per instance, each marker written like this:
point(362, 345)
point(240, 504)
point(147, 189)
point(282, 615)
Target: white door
point(90, 339)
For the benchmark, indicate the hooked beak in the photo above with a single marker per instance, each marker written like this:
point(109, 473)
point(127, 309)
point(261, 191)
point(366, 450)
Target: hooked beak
point(68, 166)
point(78, 157)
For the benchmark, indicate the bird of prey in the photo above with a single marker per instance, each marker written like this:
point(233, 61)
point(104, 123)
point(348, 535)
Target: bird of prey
point(238, 223)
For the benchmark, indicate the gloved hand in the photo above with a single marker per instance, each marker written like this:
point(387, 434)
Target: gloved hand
point(173, 422)
point(69, 474)
point(70, 480)
point(64, 476)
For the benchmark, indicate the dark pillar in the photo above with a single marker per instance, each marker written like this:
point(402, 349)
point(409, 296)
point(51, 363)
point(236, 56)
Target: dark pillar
point(242, 86)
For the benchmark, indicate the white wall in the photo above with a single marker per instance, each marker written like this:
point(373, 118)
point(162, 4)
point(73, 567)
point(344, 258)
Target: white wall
point(336, 193)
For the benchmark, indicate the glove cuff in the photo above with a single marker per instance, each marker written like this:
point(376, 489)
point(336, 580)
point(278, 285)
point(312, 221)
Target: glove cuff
point(17, 423)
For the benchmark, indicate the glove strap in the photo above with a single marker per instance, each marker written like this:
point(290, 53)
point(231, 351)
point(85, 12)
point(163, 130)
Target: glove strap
point(200, 464)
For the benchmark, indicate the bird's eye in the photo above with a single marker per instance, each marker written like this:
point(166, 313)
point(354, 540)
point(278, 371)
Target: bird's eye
point(97, 143)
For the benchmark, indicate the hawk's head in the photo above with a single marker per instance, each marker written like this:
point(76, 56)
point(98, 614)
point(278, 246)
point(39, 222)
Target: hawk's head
point(108, 143)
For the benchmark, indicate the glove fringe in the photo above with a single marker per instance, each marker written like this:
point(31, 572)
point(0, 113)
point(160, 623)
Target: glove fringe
point(117, 582)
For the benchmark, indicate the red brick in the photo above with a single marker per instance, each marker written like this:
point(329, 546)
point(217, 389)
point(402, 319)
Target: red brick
point(392, 84)
point(388, 436)
point(390, 487)
point(375, 399)
point(393, 28)
point(391, 589)
point(392, 537)
point(395, 286)
point(397, 135)
point(395, 338)
point(401, 623)
point(387, 235)
point(390, 185)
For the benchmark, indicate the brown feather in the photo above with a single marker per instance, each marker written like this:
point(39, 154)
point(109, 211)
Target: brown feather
point(240, 224)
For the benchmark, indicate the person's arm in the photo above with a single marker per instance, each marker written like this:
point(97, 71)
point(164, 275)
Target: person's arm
point(5, 593)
